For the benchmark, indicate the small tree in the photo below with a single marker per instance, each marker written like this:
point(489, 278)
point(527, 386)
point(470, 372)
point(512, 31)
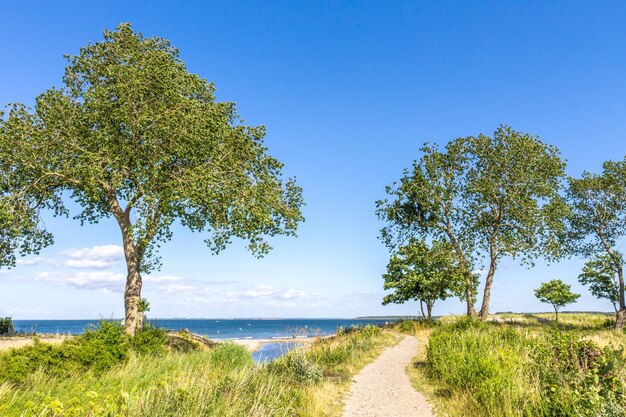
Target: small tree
point(136, 137)
point(423, 273)
point(557, 293)
point(599, 274)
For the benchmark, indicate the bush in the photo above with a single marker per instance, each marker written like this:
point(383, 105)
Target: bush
point(413, 326)
point(298, 367)
point(230, 356)
point(6, 326)
point(98, 349)
point(151, 340)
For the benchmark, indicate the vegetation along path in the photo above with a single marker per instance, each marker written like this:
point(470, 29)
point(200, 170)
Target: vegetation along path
point(383, 388)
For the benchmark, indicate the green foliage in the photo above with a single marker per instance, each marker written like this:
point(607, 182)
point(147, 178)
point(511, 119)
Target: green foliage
point(219, 382)
point(599, 274)
point(151, 340)
point(229, 355)
point(427, 202)
point(597, 222)
point(6, 326)
point(424, 273)
point(505, 372)
point(557, 293)
point(413, 327)
point(351, 344)
point(96, 350)
point(144, 306)
point(297, 366)
point(135, 136)
point(488, 197)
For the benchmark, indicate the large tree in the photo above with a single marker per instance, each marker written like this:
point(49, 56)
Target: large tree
point(422, 272)
point(597, 220)
point(512, 198)
point(489, 197)
point(135, 136)
point(427, 203)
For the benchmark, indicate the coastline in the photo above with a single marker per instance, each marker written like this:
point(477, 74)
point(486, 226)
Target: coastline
point(252, 345)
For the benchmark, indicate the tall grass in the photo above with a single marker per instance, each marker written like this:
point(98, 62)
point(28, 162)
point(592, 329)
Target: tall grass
point(219, 382)
point(524, 367)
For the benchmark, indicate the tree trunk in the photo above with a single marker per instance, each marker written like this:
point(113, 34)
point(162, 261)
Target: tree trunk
point(422, 307)
point(429, 309)
point(469, 294)
point(484, 310)
point(133, 318)
point(556, 315)
point(620, 317)
point(469, 287)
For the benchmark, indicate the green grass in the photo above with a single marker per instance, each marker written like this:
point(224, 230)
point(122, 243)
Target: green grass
point(522, 365)
point(222, 381)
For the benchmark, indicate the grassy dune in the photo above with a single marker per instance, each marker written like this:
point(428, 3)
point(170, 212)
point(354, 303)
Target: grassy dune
point(522, 365)
point(151, 380)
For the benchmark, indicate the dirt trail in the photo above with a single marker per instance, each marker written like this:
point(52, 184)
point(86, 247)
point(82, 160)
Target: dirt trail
point(383, 389)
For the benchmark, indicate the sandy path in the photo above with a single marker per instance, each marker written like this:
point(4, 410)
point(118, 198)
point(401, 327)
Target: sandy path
point(383, 389)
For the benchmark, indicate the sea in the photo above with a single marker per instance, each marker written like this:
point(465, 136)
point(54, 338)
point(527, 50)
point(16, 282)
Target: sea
point(222, 329)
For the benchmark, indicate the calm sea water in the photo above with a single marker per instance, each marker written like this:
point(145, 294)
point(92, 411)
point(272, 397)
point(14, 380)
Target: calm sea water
point(213, 328)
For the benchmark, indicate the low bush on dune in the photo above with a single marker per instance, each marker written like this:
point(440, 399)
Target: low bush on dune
point(413, 326)
point(505, 371)
point(97, 350)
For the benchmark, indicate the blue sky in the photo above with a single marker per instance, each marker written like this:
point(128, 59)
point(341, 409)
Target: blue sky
point(348, 92)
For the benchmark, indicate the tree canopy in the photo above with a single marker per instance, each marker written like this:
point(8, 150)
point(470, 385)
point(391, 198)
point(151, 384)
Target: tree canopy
point(135, 136)
point(600, 276)
point(21, 231)
point(488, 197)
point(597, 220)
point(427, 203)
point(557, 293)
point(423, 273)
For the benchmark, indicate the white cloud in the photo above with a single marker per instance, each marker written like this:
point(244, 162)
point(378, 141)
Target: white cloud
point(100, 280)
point(95, 257)
point(162, 278)
point(258, 295)
point(37, 260)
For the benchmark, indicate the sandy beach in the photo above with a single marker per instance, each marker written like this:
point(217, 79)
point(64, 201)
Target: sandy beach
point(255, 344)
point(251, 344)
point(19, 341)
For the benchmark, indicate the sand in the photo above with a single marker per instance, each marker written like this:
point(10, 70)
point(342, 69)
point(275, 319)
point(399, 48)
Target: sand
point(255, 344)
point(251, 344)
point(383, 389)
point(19, 341)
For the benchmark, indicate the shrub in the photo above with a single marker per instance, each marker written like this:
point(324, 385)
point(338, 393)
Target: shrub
point(6, 326)
point(298, 367)
point(413, 326)
point(151, 340)
point(98, 349)
point(230, 356)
